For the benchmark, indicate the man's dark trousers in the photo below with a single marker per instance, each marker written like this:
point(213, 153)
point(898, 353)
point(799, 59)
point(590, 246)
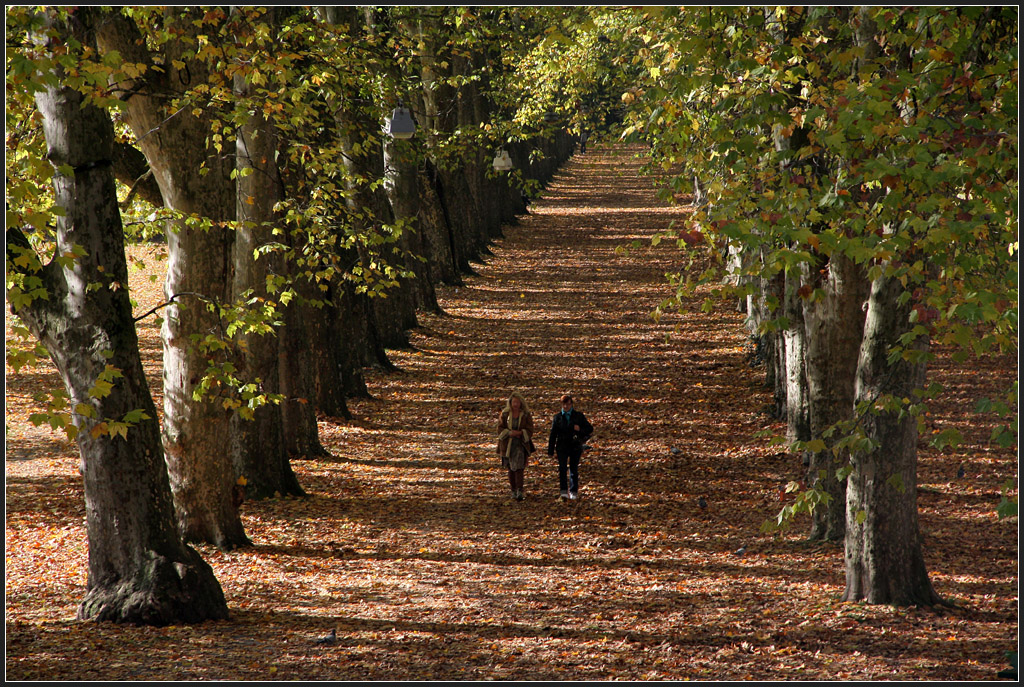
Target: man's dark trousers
point(569, 471)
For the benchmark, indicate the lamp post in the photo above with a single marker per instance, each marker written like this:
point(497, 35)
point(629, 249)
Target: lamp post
point(401, 124)
point(502, 161)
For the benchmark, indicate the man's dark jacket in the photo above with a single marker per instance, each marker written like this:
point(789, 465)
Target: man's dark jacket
point(564, 438)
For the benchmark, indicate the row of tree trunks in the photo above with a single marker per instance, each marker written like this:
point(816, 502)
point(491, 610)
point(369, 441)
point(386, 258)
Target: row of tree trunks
point(831, 361)
point(140, 570)
point(184, 486)
point(827, 367)
point(462, 208)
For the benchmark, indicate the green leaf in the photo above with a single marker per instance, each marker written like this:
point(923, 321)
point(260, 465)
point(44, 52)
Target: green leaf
point(85, 410)
point(896, 482)
point(816, 446)
point(947, 438)
point(101, 389)
point(135, 416)
point(1007, 507)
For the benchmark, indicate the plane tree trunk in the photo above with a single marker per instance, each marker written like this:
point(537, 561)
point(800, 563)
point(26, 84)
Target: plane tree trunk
point(884, 559)
point(140, 570)
point(260, 443)
point(834, 326)
point(195, 181)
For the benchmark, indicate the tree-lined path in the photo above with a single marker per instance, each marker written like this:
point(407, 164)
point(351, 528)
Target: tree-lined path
point(411, 549)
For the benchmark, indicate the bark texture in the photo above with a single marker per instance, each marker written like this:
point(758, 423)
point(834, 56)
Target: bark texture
point(794, 342)
point(132, 168)
point(884, 561)
point(834, 328)
point(402, 186)
point(195, 181)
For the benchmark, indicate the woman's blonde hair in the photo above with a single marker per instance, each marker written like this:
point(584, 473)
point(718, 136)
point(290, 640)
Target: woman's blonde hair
point(508, 403)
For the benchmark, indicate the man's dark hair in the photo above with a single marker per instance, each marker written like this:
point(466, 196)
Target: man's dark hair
point(567, 399)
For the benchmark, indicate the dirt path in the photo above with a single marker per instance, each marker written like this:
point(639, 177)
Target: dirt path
point(410, 546)
point(556, 310)
point(567, 590)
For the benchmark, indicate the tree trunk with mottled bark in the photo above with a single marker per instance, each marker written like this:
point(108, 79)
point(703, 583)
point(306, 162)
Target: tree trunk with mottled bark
point(401, 182)
point(140, 571)
point(884, 560)
point(834, 325)
point(195, 181)
point(260, 445)
point(794, 345)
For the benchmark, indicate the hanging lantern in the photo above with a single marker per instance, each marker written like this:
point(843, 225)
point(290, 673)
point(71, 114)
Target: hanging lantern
point(401, 124)
point(502, 161)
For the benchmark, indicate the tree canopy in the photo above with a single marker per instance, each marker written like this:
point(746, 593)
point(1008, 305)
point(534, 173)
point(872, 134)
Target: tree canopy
point(883, 135)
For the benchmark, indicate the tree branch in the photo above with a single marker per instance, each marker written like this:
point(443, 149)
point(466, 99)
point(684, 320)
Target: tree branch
point(170, 301)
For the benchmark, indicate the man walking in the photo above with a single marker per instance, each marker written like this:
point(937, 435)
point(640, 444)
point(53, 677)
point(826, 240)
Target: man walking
point(569, 432)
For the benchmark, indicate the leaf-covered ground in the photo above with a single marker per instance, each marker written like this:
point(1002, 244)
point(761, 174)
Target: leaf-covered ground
point(410, 547)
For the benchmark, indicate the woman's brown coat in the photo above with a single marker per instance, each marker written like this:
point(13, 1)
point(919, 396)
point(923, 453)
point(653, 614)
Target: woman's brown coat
point(526, 425)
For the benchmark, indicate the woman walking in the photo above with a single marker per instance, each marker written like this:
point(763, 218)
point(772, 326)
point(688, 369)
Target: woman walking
point(515, 441)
